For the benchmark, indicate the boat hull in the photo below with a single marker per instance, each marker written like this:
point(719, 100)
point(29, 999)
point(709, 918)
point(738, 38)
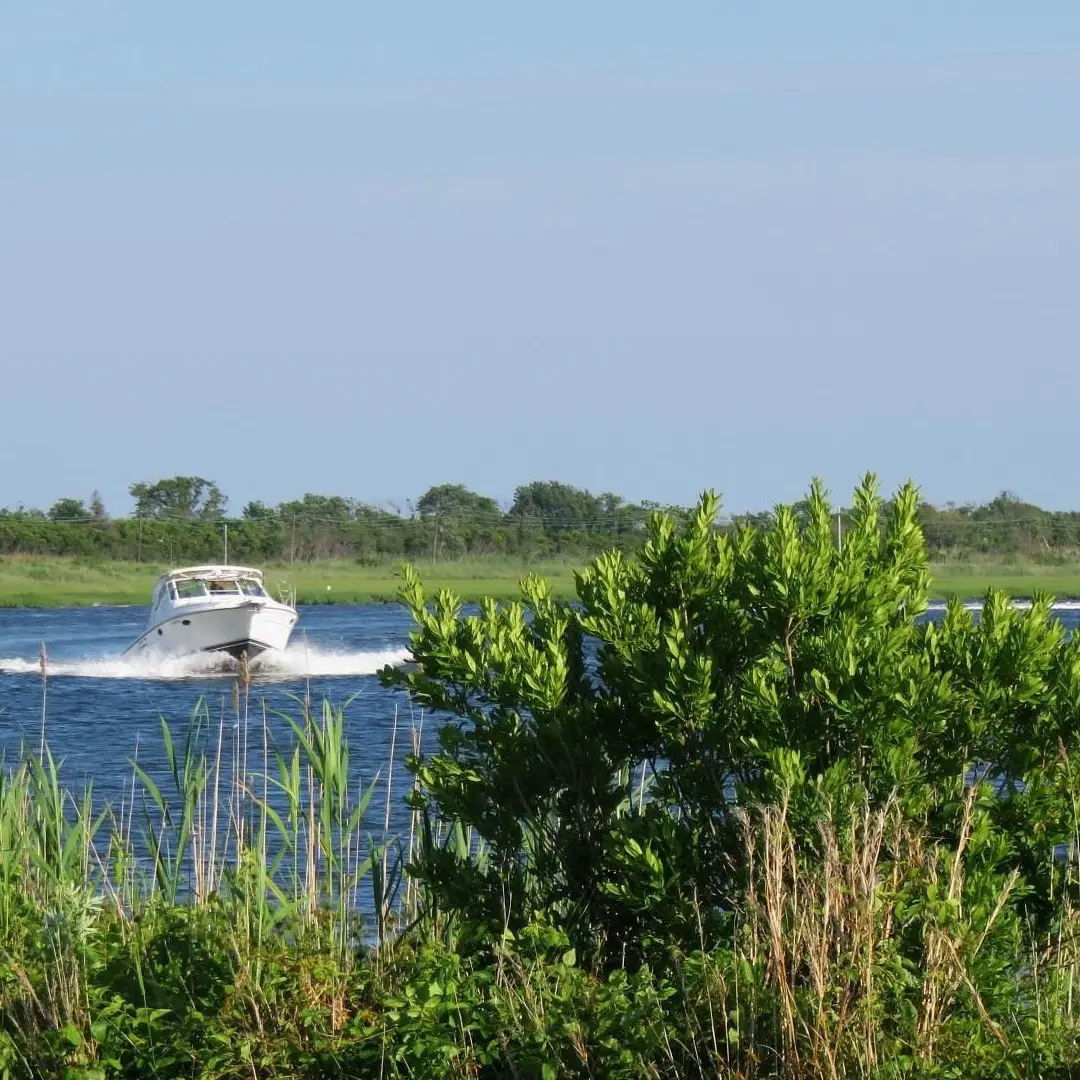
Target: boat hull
point(245, 629)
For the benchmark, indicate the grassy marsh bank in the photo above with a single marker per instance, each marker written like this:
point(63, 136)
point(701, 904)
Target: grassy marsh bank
point(65, 582)
point(1020, 577)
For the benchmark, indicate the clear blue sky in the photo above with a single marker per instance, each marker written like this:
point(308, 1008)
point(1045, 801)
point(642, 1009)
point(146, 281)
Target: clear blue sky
point(650, 248)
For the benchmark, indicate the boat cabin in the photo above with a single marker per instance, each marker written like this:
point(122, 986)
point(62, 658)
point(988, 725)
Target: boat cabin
point(201, 585)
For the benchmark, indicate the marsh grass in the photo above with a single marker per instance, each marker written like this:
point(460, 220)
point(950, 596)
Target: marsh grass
point(36, 581)
point(969, 579)
point(275, 838)
point(43, 582)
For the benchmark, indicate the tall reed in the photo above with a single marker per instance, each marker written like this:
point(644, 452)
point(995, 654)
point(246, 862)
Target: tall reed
point(272, 830)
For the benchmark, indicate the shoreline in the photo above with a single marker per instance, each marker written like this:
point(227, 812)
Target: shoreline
point(59, 582)
point(65, 584)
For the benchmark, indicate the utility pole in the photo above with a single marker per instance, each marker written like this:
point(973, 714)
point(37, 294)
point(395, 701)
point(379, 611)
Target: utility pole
point(226, 543)
point(839, 538)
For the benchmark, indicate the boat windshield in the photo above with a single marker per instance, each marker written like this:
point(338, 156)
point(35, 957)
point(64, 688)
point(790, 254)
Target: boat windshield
point(196, 588)
point(219, 587)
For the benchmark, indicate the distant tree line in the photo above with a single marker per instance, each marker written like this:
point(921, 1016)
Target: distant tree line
point(183, 519)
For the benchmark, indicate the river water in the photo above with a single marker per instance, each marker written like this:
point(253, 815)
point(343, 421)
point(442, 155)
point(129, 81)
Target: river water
point(100, 711)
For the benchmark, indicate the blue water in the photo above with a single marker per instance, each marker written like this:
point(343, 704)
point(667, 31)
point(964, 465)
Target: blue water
point(98, 708)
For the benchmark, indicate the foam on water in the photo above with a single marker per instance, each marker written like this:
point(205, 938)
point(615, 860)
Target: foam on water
point(297, 662)
point(976, 605)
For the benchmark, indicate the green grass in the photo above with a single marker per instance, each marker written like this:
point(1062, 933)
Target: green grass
point(1021, 578)
point(61, 582)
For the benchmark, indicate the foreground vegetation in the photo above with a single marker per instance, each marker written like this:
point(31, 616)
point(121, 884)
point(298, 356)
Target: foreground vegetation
point(739, 814)
point(56, 581)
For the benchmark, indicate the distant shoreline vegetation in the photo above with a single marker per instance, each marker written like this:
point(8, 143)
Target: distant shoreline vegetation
point(185, 519)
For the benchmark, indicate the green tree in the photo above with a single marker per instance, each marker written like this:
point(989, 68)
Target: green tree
point(556, 506)
point(258, 511)
point(458, 521)
point(23, 513)
point(457, 501)
point(318, 508)
point(68, 510)
point(322, 526)
point(180, 498)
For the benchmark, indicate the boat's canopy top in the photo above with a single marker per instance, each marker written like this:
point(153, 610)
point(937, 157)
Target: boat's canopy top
point(211, 573)
point(196, 582)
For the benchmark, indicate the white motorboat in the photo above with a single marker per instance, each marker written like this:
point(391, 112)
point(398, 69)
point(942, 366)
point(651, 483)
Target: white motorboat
point(214, 609)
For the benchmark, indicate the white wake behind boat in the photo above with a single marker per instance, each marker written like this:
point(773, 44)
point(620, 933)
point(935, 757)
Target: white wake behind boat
point(214, 609)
